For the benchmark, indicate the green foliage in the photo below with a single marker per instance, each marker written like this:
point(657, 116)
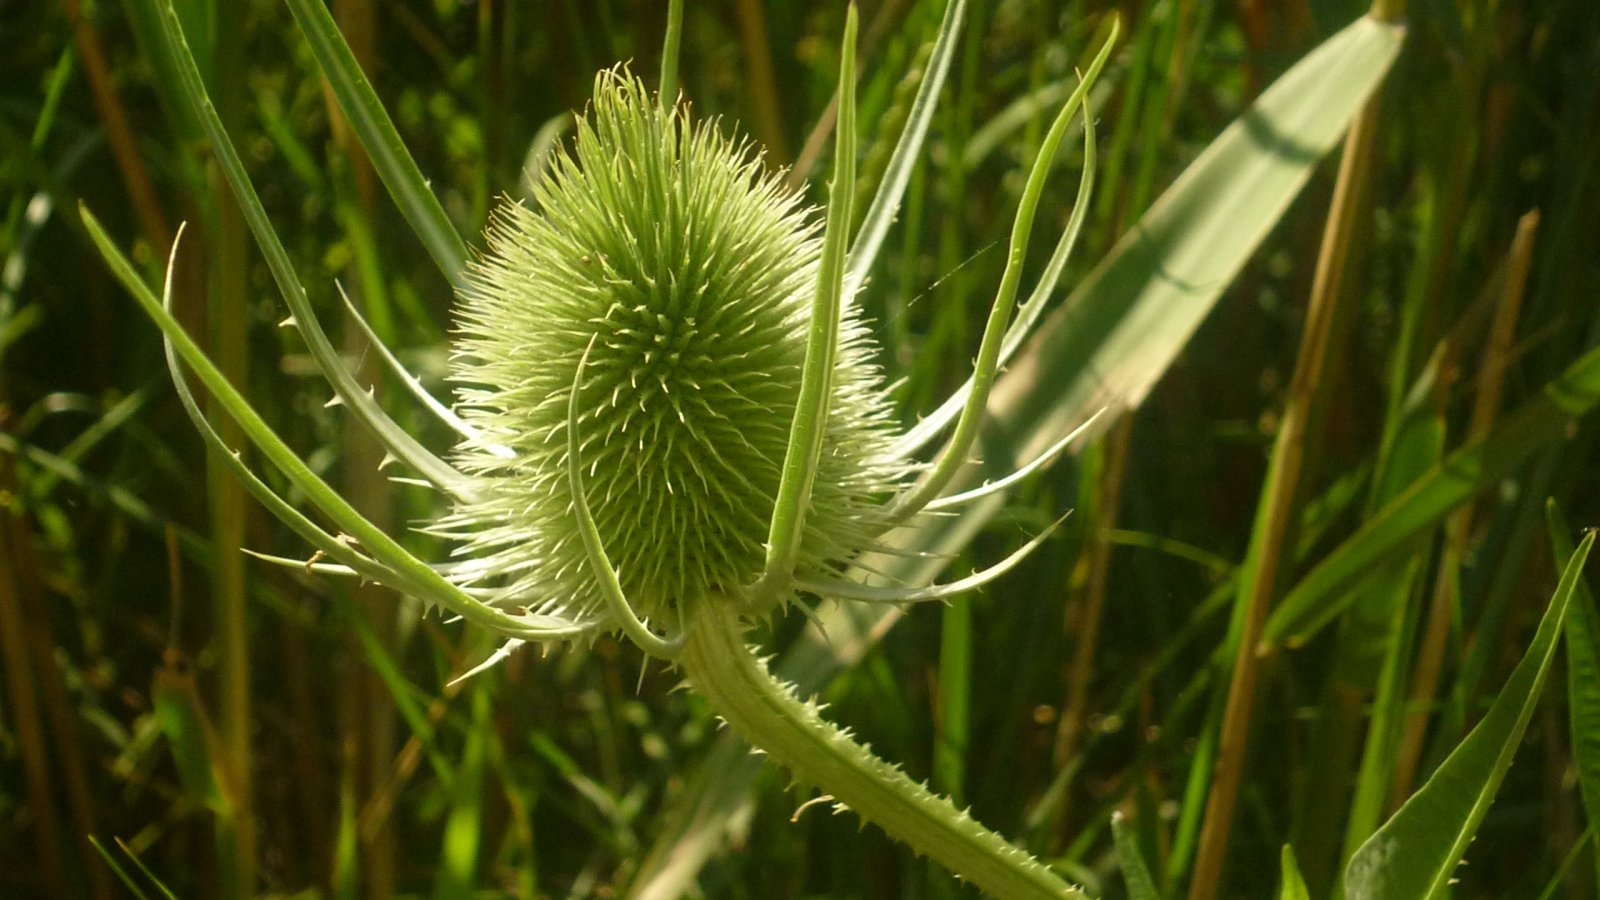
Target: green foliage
point(1436, 440)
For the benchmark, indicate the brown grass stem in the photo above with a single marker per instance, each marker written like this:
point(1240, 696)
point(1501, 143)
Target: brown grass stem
point(124, 149)
point(1271, 539)
point(26, 722)
point(1442, 607)
point(763, 82)
point(1084, 608)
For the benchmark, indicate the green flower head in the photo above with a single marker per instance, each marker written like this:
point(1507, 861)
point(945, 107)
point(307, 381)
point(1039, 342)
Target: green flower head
point(665, 251)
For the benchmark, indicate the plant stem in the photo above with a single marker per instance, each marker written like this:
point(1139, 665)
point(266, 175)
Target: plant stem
point(767, 713)
point(1271, 539)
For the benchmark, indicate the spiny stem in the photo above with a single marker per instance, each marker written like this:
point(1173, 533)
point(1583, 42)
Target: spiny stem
point(767, 713)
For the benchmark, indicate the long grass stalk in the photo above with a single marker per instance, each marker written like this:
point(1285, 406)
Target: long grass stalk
point(1087, 603)
point(124, 147)
point(229, 318)
point(763, 84)
point(1445, 601)
point(26, 721)
point(1272, 539)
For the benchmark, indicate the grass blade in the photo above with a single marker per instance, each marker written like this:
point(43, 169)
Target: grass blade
point(1137, 875)
point(886, 202)
point(1414, 855)
point(1583, 679)
point(121, 873)
point(1321, 595)
point(1293, 886)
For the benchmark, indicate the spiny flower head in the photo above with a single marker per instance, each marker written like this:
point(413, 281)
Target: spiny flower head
point(687, 272)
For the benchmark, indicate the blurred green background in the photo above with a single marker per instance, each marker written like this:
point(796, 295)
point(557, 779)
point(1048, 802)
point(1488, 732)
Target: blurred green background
point(244, 729)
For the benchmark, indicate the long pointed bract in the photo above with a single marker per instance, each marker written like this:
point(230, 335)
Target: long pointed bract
point(432, 586)
point(924, 431)
point(822, 346)
point(402, 445)
point(605, 574)
point(988, 365)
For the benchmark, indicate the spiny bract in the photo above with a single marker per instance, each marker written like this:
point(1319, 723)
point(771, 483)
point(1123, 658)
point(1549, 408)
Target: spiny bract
point(693, 271)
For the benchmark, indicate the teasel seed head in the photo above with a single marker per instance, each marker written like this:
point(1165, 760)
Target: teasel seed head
point(692, 271)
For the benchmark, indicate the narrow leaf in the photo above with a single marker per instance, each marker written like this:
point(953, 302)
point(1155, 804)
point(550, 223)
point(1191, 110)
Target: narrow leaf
point(886, 202)
point(1583, 679)
point(1293, 886)
point(1414, 855)
point(1474, 468)
point(1134, 872)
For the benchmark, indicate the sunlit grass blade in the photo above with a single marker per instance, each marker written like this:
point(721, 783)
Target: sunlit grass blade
point(1415, 854)
point(1541, 421)
point(371, 122)
point(402, 445)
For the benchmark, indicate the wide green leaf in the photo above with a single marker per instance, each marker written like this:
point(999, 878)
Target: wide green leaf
point(1415, 854)
point(1118, 332)
point(1110, 342)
